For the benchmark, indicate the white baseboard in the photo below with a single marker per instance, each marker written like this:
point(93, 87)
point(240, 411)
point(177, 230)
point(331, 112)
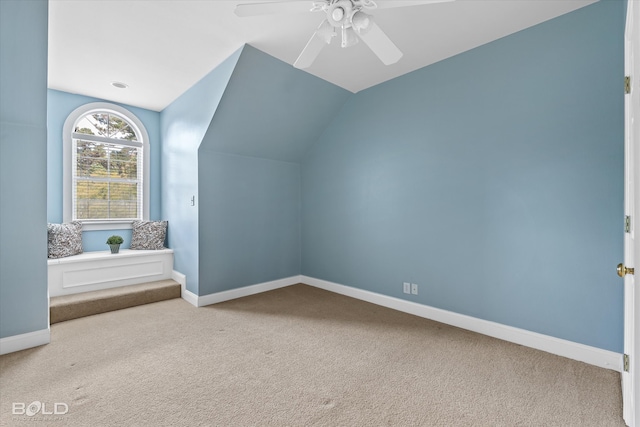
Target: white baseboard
point(190, 297)
point(244, 291)
point(185, 294)
point(583, 353)
point(24, 341)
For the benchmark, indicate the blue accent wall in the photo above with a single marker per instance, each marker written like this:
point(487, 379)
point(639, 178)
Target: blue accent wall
point(23, 167)
point(249, 176)
point(492, 179)
point(59, 106)
point(272, 110)
point(249, 220)
point(183, 126)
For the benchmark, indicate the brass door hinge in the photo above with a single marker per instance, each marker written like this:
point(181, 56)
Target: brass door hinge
point(627, 84)
point(625, 362)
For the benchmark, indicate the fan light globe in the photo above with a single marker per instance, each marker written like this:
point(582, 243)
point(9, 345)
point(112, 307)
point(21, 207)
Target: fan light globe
point(337, 14)
point(361, 22)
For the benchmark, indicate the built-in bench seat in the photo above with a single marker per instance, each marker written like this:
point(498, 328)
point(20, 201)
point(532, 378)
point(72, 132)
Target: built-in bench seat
point(91, 271)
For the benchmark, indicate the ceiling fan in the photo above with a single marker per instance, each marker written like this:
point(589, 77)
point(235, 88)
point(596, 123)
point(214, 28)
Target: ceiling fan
point(346, 16)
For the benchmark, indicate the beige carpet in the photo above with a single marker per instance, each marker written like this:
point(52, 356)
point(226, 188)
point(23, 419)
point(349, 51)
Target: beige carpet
point(297, 356)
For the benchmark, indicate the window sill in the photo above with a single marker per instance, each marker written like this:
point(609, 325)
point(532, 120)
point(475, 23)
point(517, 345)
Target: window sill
point(106, 225)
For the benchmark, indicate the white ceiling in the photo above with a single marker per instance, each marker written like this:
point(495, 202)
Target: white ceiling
point(161, 48)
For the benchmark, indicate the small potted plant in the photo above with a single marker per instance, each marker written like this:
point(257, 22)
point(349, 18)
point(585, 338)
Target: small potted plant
point(114, 243)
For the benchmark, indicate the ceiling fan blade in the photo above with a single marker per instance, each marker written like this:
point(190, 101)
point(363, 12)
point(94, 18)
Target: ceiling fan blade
point(382, 4)
point(256, 9)
point(313, 47)
point(381, 44)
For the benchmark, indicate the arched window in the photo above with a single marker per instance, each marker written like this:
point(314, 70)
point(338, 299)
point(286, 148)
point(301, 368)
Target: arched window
point(106, 167)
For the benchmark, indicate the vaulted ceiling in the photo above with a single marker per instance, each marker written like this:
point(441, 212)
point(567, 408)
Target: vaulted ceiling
point(159, 49)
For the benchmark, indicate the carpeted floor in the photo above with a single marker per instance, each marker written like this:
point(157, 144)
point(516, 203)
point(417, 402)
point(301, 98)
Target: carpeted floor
point(297, 356)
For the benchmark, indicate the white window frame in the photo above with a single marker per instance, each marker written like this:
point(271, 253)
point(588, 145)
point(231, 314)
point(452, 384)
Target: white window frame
point(68, 167)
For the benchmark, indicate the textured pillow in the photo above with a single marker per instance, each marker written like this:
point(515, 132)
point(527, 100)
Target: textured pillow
point(64, 239)
point(148, 234)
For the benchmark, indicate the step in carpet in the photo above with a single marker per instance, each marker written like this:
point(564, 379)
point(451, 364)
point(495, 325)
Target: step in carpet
point(69, 307)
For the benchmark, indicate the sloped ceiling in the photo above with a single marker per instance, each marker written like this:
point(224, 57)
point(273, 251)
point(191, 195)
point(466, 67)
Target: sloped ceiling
point(162, 48)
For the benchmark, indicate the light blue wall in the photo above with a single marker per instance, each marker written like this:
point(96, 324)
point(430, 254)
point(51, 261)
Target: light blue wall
point(272, 110)
point(249, 175)
point(23, 167)
point(249, 221)
point(59, 106)
point(493, 179)
point(183, 126)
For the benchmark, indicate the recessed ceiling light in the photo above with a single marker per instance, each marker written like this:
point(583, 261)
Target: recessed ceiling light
point(119, 85)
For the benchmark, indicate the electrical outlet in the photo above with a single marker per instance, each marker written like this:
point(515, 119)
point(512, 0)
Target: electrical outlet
point(406, 287)
point(414, 289)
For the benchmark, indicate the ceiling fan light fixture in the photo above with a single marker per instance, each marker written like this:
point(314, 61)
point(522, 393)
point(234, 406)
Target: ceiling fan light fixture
point(348, 15)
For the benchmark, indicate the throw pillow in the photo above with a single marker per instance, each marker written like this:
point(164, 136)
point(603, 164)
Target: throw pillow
point(148, 235)
point(64, 239)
